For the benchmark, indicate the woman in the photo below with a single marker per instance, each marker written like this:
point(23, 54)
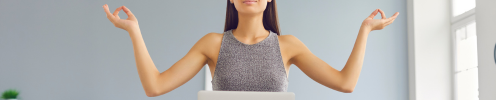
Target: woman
point(250, 55)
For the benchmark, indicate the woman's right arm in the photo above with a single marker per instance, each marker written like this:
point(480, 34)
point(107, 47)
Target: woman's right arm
point(156, 83)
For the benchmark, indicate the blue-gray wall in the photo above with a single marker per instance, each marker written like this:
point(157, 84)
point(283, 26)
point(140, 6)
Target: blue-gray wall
point(68, 50)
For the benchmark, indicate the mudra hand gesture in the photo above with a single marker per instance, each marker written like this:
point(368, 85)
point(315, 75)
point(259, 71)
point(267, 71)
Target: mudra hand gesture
point(377, 24)
point(129, 24)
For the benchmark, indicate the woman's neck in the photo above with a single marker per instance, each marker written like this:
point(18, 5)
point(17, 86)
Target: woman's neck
point(250, 26)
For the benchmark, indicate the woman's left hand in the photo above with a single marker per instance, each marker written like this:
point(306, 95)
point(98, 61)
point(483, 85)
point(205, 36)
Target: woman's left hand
point(377, 24)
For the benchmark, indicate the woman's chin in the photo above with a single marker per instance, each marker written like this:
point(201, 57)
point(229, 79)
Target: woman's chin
point(250, 11)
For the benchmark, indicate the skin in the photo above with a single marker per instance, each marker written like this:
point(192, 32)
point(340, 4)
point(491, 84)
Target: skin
point(250, 31)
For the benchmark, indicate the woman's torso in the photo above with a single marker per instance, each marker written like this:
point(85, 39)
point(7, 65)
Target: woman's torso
point(212, 52)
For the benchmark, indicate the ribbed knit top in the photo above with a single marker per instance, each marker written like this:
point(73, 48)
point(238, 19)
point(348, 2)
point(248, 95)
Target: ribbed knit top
point(255, 67)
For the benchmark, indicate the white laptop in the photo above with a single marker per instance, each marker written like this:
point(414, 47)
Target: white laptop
point(244, 95)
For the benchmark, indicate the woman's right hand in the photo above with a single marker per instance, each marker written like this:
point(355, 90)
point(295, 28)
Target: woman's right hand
point(377, 24)
point(129, 24)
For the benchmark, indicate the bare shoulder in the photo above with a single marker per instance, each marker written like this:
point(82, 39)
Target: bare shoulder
point(209, 44)
point(290, 41)
point(210, 38)
point(291, 46)
point(213, 36)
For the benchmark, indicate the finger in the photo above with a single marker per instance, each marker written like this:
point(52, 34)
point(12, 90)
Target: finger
point(116, 12)
point(382, 14)
point(389, 22)
point(109, 15)
point(392, 17)
point(395, 15)
point(128, 12)
point(386, 25)
point(373, 14)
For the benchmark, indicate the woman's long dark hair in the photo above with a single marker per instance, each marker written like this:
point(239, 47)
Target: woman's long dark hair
point(270, 21)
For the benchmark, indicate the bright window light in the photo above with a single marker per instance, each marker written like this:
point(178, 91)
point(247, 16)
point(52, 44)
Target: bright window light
point(462, 6)
point(466, 71)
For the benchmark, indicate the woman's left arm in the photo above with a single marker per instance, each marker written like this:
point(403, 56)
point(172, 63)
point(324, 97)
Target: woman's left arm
point(346, 79)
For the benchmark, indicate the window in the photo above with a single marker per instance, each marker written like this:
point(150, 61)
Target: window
point(462, 6)
point(466, 84)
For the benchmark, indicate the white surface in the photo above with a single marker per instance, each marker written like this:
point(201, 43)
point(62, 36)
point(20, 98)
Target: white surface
point(486, 39)
point(467, 85)
point(462, 6)
point(429, 50)
point(208, 79)
point(466, 48)
point(466, 77)
point(244, 95)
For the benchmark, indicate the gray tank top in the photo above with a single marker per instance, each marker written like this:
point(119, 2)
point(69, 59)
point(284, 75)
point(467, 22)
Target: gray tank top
point(256, 67)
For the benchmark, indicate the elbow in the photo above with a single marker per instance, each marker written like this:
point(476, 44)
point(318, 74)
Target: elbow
point(151, 93)
point(348, 89)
